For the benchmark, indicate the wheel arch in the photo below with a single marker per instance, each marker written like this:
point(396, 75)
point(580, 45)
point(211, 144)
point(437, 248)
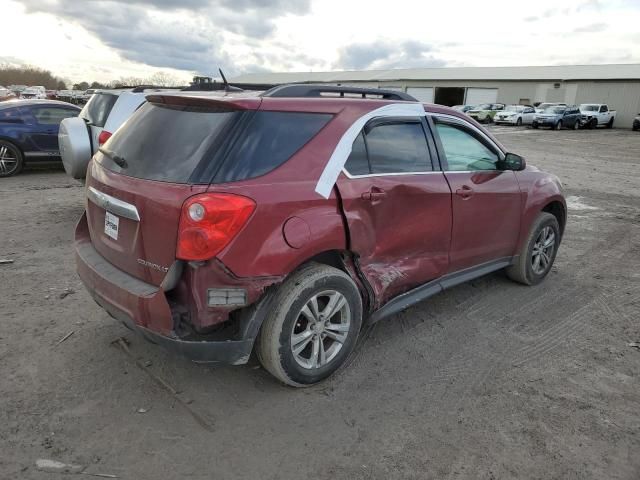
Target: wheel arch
point(13, 142)
point(557, 209)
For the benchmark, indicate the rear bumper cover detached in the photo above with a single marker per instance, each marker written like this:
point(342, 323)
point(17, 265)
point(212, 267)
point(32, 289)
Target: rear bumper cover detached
point(144, 308)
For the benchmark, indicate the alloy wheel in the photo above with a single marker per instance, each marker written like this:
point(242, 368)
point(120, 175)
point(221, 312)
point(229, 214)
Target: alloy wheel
point(321, 329)
point(543, 250)
point(8, 160)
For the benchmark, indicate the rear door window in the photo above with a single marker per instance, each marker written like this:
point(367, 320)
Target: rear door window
point(387, 148)
point(52, 115)
point(97, 109)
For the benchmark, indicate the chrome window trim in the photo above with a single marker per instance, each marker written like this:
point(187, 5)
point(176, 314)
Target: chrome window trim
point(113, 204)
point(393, 174)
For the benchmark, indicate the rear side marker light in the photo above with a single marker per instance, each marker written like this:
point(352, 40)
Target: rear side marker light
point(208, 223)
point(103, 137)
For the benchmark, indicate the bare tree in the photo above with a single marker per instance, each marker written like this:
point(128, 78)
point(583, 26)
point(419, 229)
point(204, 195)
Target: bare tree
point(163, 79)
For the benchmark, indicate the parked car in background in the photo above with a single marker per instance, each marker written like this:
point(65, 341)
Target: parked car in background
point(543, 106)
point(17, 89)
point(29, 132)
point(38, 92)
point(636, 123)
point(558, 117)
point(515, 115)
point(463, 108)
point(596, 114)
point(485, 112)
point(5, 92)
point(288, 220)
point(101, 116)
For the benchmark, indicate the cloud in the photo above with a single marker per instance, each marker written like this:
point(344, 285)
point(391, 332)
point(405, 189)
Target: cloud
point(384, 54)
point(159, 33)
point(591, 28)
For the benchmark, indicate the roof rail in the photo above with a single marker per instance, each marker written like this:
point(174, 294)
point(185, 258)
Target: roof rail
point(313, 90)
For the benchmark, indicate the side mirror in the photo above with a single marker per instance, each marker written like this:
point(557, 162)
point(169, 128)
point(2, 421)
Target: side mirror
point(513, 162)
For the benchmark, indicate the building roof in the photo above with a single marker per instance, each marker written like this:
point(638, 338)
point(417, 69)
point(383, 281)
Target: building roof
point(545, 73)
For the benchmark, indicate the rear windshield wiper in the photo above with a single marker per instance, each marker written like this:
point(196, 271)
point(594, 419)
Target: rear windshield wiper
point(120, 161)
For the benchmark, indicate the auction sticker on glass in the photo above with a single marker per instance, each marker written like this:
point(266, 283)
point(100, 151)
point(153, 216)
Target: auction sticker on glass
point(111, 225)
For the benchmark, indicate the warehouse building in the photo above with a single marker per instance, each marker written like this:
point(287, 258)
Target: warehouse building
point(616, 85)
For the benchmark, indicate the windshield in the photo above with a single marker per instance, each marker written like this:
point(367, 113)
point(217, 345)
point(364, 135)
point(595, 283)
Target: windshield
point(589, 108)
point(513, 108)
point(554, 110)
point(483, 106)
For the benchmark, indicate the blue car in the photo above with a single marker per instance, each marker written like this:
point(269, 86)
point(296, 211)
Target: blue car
point(29, 132)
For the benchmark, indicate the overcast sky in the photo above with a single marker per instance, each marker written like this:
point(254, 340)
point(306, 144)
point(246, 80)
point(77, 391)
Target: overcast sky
point(103, 40)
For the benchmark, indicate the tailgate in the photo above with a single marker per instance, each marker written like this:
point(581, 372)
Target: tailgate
point(133, 223)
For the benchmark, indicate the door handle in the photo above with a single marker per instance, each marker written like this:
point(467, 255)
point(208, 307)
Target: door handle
point(465, 192)
point(374, 195)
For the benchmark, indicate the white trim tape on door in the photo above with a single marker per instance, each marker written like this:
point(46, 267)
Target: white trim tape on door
point(341, 153)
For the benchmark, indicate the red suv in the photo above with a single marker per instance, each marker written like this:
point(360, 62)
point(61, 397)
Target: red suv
point(285, 221)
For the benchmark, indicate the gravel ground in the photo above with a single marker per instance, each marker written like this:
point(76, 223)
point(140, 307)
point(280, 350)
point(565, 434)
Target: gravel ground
point(489, 380)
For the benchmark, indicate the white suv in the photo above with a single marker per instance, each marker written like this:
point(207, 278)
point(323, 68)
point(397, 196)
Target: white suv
point(80, 137)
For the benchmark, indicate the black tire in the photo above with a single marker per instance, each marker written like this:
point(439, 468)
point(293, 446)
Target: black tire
point(519, 122)
point(274, 343)
point(593, 123)
point(523, 270)
point(534, 125)
point(13, 154)
point(610, 123)
point(576, 125)
point(558, 125)
point(488, 119)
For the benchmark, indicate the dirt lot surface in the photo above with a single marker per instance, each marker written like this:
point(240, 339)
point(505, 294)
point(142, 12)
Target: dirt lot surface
point(489, 380)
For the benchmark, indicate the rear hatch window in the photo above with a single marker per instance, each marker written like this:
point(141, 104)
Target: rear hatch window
point(168, 142)
point(97, 109)
point(164, 142)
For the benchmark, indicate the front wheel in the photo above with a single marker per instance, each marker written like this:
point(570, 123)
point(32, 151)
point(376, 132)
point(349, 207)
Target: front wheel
point(313, 326)
point(576, 125)
point(538, 253)
point(11, 159)
point(519, 122)
point(534, 125)
point(559, 125)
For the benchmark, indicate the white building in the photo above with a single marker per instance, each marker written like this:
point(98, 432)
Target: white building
point(616, 85)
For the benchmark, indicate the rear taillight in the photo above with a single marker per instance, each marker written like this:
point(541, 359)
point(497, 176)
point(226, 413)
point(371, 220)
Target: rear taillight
point(208, 222)
point(103, 137)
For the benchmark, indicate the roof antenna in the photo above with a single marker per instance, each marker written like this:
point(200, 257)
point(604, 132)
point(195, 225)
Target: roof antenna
point(228, 88)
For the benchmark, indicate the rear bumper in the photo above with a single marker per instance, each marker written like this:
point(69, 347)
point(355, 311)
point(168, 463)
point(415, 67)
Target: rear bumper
point(144, 308)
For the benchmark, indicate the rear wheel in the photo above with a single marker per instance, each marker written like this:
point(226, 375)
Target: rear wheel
point(313, 327)
point(610, 123)
point(11, 159)
point(539, 252)
point(534, 125)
